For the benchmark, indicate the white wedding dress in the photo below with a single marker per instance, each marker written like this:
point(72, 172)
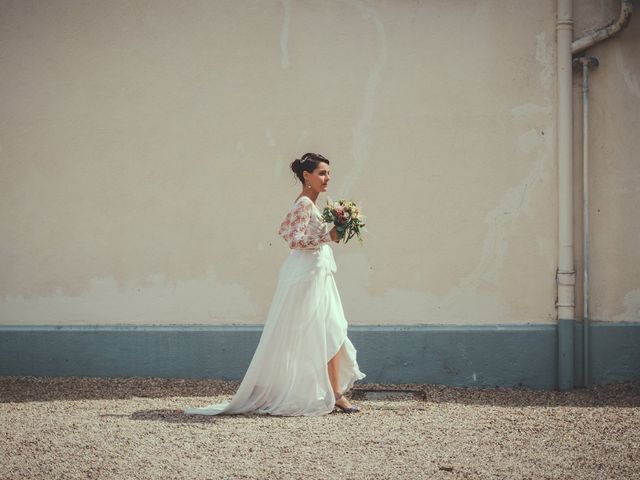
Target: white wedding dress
point(304, 329)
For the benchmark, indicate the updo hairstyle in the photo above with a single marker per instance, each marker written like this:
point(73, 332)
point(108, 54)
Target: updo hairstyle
point(307, 163)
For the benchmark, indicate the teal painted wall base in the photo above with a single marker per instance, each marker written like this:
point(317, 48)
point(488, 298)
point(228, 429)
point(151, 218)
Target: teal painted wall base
point(483, 356)
point(566, 356)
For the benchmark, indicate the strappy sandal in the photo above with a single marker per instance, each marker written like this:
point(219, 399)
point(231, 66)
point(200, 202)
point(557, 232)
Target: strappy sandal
point(351, 409)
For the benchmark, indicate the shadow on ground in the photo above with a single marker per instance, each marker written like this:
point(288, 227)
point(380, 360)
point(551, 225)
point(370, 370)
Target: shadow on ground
point(38, 389)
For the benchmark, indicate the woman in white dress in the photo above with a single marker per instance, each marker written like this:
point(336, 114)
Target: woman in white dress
point(304, 362)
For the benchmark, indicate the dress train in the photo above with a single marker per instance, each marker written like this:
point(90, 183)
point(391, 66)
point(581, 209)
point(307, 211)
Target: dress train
point(305, 327)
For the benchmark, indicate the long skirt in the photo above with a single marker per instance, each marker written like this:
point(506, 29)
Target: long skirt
point(304, 329)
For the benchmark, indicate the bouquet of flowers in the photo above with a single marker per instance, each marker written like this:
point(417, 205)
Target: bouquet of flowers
point(346, 216)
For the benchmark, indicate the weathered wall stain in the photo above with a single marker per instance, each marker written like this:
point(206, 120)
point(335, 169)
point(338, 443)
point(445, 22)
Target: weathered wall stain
point(144, 158)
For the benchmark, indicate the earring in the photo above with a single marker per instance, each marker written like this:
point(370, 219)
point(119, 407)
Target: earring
point(308, 186)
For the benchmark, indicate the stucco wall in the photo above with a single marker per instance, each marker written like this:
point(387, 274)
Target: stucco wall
point(145, 151)
point(614, 168)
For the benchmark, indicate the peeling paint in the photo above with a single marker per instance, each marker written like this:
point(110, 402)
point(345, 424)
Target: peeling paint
point(269, 136)
point(530, 109)
point(197, 301)
point(468, 299)
point(529, 140)
point(403, 306)
point(302, 137)
point(278, 169)
point(630, 78)
point(360, 145)
point(545, 58)
point(92, 198)
point(513, 202)
point(284, 36)
point(631, 304)
point(629, 183)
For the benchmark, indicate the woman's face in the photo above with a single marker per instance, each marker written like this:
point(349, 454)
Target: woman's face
point(319, 178)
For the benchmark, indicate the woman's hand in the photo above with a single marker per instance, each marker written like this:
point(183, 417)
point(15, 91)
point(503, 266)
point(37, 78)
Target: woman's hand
point(334, 234)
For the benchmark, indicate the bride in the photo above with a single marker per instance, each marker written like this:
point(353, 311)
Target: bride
point(304, 361)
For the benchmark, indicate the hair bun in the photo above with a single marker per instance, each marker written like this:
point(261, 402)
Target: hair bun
point(308, 162)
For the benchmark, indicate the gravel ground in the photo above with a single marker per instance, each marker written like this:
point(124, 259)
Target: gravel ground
point(131, 428)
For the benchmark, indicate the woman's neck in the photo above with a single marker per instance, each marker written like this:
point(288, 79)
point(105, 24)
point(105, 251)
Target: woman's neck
point(312, 195)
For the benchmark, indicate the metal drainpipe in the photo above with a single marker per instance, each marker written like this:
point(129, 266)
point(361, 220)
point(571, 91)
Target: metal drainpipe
point(586, 62)
point(608, 31)
point(585, 218)
point(565, 276)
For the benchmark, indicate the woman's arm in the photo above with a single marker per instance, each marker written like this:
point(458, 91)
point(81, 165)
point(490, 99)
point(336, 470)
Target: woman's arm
point(334, 234)
point(294, 229)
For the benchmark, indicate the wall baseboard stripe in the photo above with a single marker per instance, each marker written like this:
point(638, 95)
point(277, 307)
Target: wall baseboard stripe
point(457, 355)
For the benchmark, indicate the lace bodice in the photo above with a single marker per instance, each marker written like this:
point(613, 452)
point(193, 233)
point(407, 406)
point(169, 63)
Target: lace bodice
point(303, 228)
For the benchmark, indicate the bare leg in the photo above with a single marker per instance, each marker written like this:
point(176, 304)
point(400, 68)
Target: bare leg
point(334, 376)
point(334, 368)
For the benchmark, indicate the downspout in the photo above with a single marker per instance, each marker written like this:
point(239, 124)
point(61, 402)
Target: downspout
point(597, 36)
point(585, 63)
point(566, 275)
point(585, 217)
point(579, 46)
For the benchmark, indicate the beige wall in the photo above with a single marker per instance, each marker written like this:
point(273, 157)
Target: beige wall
point(145, 150)
point(614, 169)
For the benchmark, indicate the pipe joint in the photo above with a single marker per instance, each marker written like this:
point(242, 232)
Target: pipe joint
point(603, 33)
point(583, 60)
point(566, 278)
point(562, 22)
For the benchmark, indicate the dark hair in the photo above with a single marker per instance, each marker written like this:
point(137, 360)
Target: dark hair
point(307, 163)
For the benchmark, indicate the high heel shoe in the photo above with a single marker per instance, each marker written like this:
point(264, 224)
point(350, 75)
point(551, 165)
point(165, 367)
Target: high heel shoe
point(351, 409)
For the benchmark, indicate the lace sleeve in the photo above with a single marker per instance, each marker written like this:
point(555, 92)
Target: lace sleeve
point(297, 231)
